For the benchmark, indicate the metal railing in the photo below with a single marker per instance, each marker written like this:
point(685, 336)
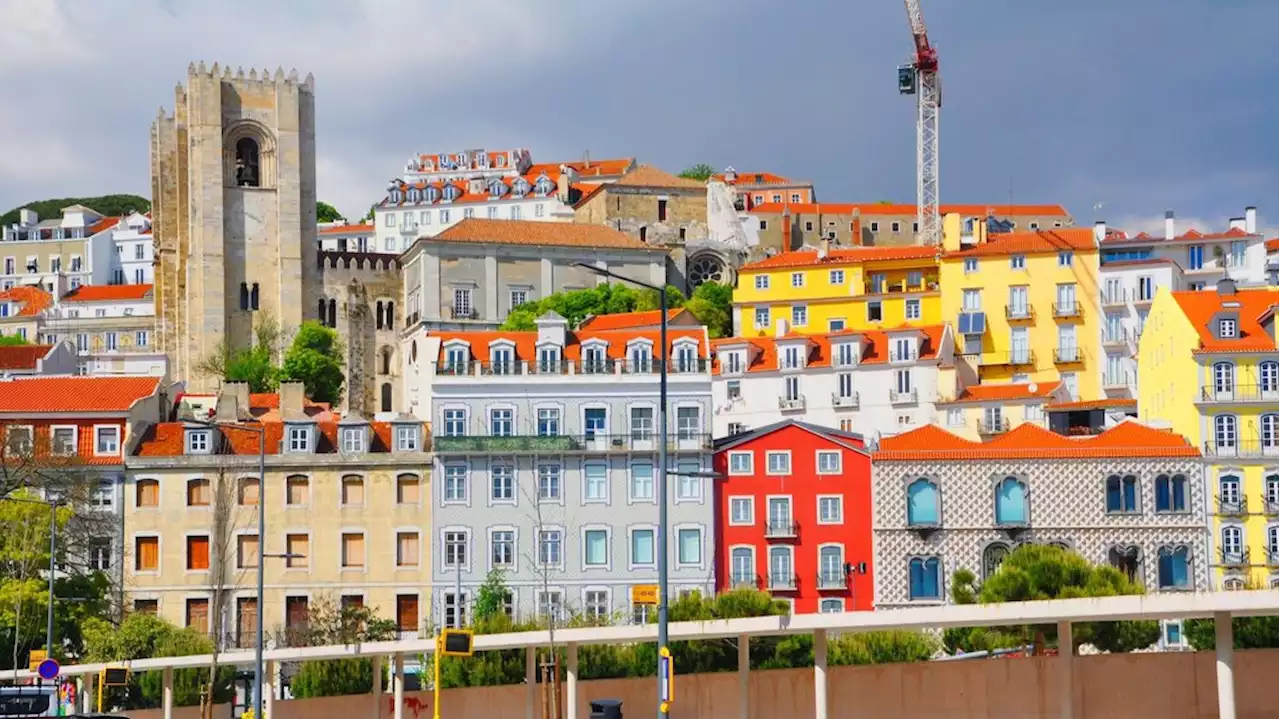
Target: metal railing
point(1012, 359)
point(1231, 508)
point(1124, 337)
point(1119, 298)
point(832, 580)
point(1142, 298)
point(1243, 449)
point(1233, 559)
point(550, 444)
point(791, 404)
point(999, 426)
point(1239, 393)
point(780, 581)
point(911, 355)
point(739, 581)
point(1022, 312)
point(781, 528)
point(897, 396)
point(1270, 507)
point(475, 368)
point(1067, 309)
point(1067, 355)
point(1272, 557)
point(471, 314)
point(844, 400)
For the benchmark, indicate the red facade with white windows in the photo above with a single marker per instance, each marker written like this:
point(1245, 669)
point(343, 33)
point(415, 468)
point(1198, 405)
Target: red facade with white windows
point(793, 516)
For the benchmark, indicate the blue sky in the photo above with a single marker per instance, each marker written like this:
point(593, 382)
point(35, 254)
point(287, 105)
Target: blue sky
point(1137, 105)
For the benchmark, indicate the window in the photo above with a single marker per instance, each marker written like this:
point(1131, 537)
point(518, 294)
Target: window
point(1232, 545)
point(455, 422)
point(688, 422)
point(352, 490)
point(1122, 494)
point(595, 548)
point(197, 615)
point(831, 606)
point(197, 553)
point(1065, 258)
point(407, 487)
point(100, 555)
point(352, 439)
point(688, 483)
point(913, 309)
point(689, 544)
point(970, 265)
point(662, 210)
point(762, 282)
point(455, 548)
point(1171, 493)
point(797, 279)
point(1228, 493)
point(742, 567)
point(1017, 262)
point(779, 462)
point(596, 603)
point(875, 311)
point(835, 277)
point(799, 315)
point(550, 604)
point(299, 439)
point(828, 462)
point(63, 440)
point(742, 510)
point(895, 227)
point(595, 482)
point(922, 503)
point(502, 547)
point(641, 423)
point(642, 547)
point(298, 547)
point(407, 438)
point(247, 551)
point(501, 422)
point(924, 578)
point(548, 482)
point(146, 554)
point(831, 572)
point(1011, 502)
point(1269, 377)
point(147, 493)
point(198, 493)
point(107, 440)
point(762, 318)
point(548, 422)
point(971, 300)
point(595, 421)
point(297, 491)
point(550, 547)
point(353, 550)
point(461, 303)
point(1270, 431)
point(1066, 296)
point(830, 510)
point(455, 483)
point(1224, 432)
point(1271, 492)
point(641, 481)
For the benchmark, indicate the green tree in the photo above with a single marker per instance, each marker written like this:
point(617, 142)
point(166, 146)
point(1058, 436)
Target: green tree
point(700, 172)
point(105, 205)
point(327, 213)
point(712, 304)
point(491, 596)
point(255, 365)
point(333, 623)
point(650, 300)
point(576, 305)
point(24, 556)
point(315, 359)
point(142, 636)
point(332, 677)
point(12, 341)
point(1246, 633)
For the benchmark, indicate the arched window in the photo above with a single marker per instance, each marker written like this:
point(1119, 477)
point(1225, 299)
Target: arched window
point(1011, 502)
point(1172, 569)
point(147, 493)
point(1224, 378)
point(1271, 493)
point(924, 579)
point(386, 397)
point(433, 193)
point(1122, 494)
point(1125, 559)
point(1171, 493)
point(244, 295)
point(385, 361)
point(922, 504)
point(1224, 433)
point(1269, 377)
point(451, 192)
point(247, 491)
point(520, 188)
point(247, 162)
point(1229, 494)
point(198, 492)
point(253, 297)
point(333, 313)
point(544, 186)
point(1232, 546)
point(1271, 544)
point(378, 314)
point(1270, 430)
point(1232, 584)
point(497, 189)
point(992, 557)
point(413, 351)
point(390, 309)
point(322, 313)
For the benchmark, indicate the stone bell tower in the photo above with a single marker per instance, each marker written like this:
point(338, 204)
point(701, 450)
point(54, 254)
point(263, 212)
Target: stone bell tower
point(233, 187)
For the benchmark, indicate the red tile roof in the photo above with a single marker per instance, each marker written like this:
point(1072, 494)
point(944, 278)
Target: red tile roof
point(1273, 244)
point(749, 179)
point(22, 356)
point(1031, 242)
point(166, 439)
point(74, 394)
point(526, 341)
point(1031, 441)
point(1201, 307)
point(1192, 234)
point(1006, 392)
point(630, 320)
point(108, 293)
point(361, 229)
point(875, 208)
point(33, 299)
point(585, 169)
point(874, 345)
point(650, 176)
point(842, 256)
point(529, 232)
point(105, 223)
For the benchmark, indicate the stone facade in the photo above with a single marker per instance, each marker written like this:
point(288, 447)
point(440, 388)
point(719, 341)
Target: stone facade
point(234, 198)
point(364, 289)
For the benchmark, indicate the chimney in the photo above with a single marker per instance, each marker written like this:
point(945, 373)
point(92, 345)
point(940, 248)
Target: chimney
point(1099, 231)
point(1236, 223)
point(780, 328)
point(27, 217)
point(1226, 286)
point(1251, 220)
point(786, 229)
point(1168, 225)
point(229, 407)
point(292, 399)
point(824, 250)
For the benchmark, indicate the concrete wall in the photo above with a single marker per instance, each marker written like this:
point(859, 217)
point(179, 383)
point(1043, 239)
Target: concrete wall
point(1166, 685)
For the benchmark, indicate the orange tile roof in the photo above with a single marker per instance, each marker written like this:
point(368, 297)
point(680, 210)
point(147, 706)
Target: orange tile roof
point(1191, 234)
point(586, 169)
point(875, 208)
point(1273, 244)
point(22, 356)
point(360, 229)
point(528, 232)
point(1200, 307)
point(1031, 441)
point(105, 223)
point(107, 293)
point(1031, 242)
point(526, 341)
point(166, 439)
point(842, 256)
point(804, 208)
point(650, 176)
point(748, 179)
point(629, 320)
point(1106, 403)
point(74, 394)
point(874, 345)
point(1006, 392)
point(34, 300)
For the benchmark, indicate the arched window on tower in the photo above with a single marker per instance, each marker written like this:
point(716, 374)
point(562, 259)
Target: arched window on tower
point(253, 297)
point(385, 360)
point(321, 312)
point(378, 314)
point(244, 295)
point(247, 162)
point(386, 396)
point(391, 315)
point(333, 313)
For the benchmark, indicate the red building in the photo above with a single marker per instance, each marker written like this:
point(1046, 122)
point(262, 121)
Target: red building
point(793, 516)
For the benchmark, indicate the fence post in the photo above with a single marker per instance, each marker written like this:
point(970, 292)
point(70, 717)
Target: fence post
point(1066, 657)
point(820, 674)
point(1224, 643)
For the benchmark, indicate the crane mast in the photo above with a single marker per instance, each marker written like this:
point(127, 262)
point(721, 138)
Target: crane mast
point(920, 78)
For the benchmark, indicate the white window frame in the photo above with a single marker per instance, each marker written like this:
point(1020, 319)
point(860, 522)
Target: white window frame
point(586, 496)
point(514, 566)
point(679, 562)
point(407, 438)
point(353, 440)
point(444, 565)
point(97, 432)
point(608, 548)
point(751, 462)
point(465, 500)
point(631, 486)
point(750, 502)
point(537, 546)
point(769, 455)
point(839, 498)
point(817, 461)
point(631, 531)
point(75, 439)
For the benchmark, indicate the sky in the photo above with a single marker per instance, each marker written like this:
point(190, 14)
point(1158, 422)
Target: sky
point(1117, 110)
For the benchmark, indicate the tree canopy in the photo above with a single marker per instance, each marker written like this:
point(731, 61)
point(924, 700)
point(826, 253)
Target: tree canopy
point(142, 635)
point(700, 172)
point(11, 341)
point(327, 213)
point(315, 359)
point(712, 304)
point(331, 623)
point(106, 205)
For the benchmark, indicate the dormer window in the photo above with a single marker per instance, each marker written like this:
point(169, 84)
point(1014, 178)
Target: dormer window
point(903, 350)
point(520, 188)
point(433, 194)
point(414, 195)
point(456, 359)
point(502, 359)
point(407, 437)
point(199, 441)
point(451, 193)
point(353, 440)
point(792, 357)
point(732, 363)
point(394, 198)
point(594, 358)
point(549, 359)
point(640, 357)
point(544, 186)
point(497, 189)
point(1227, 329)
point(298, 439)
point(846, 354)
point(686, 356)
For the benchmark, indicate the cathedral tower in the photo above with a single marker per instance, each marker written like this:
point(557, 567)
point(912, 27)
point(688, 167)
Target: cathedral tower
point(233, 187)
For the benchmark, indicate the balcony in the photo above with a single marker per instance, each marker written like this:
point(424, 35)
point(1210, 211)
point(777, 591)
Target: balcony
point(1252, 449)
point(739, 581)
point(1111, 381)
point(780, 582)
point(1231, 508)
point(898, 396)
point(1233, 559)
point(832, 580)
point(910, 355)
point(1269, 507)
point(1122, 339)
point(1116, 299)
point(791, 404)
point(781, 529)
point(639, 441)
point(1066, 310)
point(1237, 393)
point(1021, 313)
point(1144, 298)
point(464, 314)
point(844, 401)
point(996, 426)
point(1272, 558)
point(590, 367)
point(1021, 358)
point(1068, 355)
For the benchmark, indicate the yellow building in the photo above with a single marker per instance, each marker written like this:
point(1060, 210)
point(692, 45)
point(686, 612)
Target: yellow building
point(346, 502)
point(1207, 365)
point(819, 291)
point(1024, 306)
point(979, 412)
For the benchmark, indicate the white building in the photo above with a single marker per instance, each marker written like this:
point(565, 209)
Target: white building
point(437, 191)
point(871, 382)
point(1134, 268)
point(111, 326)
point(135, 252)
point(342, 237)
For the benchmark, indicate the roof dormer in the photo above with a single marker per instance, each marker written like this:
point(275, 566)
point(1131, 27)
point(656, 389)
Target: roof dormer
point(904, 345)
point(456, 357)
point(684, 355)
point(846, 351)
point(793, 353)
point(299, 437)
point(199, 439)
point(353, 434)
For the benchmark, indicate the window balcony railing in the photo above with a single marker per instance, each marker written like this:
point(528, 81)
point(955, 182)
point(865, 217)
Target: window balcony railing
point(1239, 393)
point(740, 581)
point(844, 400)
point(1117, 298)
point(832, 580)
point(1231, 508)
point(781, 529)
point(791, 404)
point(464, 314)
point(899, 396)
point(1233, 559)
point(1020, 358)
point(1253, 449)
point(779, 581)
point(1121, 338)
point(911, 354)
point(996, 426)
point(1114, 381)
point(1270, 507)
point(1068, 355)
point(411, 320)
point(1019, 313)
point(645, 441)
point(1144, 298)
point(1067, 309)
point(473, 368)
point(1272, 557)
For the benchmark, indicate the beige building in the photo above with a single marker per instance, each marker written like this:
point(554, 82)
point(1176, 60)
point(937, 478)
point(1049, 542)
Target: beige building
point(791, 225)
point(73, 250)
point(234, 210)
point(345, 498)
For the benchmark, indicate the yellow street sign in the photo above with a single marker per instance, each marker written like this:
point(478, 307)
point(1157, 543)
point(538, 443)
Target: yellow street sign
point(35, 657)
point(644, 594)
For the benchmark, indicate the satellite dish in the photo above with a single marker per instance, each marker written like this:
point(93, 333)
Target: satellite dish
point(1033, 387)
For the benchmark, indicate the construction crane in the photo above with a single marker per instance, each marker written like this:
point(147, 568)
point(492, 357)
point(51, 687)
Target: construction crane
point(920, 78)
